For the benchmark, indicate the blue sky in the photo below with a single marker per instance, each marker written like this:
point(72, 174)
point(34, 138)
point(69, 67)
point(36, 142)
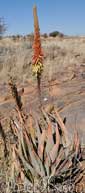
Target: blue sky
point(67, 16)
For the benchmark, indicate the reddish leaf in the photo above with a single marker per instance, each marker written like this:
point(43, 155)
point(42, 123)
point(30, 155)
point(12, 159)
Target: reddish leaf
point(41, 144)
point(63, 128)
point(76, 142)
point(50, 141)
point(54, 151)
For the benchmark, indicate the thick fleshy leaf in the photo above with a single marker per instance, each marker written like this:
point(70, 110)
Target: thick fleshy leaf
point(21, 138)
point(37, 129)
point(59, 158)
point(63, 167)
point(41, 144)
point(50, 141)
point(22, 143)
point(47, 164)
point(76, 143)
point(27, 166)
point(31, 127)
point(35, 160)
point(53, 153)
point(63, 128)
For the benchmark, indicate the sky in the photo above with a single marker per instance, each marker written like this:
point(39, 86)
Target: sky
point(66, 16)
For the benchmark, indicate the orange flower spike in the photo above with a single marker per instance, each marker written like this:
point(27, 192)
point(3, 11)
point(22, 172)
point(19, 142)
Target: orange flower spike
point(37, 60)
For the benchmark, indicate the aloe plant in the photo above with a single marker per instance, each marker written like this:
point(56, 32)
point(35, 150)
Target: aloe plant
point(40, 157)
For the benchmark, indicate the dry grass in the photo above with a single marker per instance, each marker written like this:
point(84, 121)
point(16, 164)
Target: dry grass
point(66, 55)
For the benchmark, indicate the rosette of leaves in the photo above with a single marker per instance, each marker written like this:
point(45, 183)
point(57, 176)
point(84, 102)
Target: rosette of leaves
point(43, 158)
point(41, 155)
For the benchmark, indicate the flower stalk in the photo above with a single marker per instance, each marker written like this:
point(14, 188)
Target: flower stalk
point(37, 60)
